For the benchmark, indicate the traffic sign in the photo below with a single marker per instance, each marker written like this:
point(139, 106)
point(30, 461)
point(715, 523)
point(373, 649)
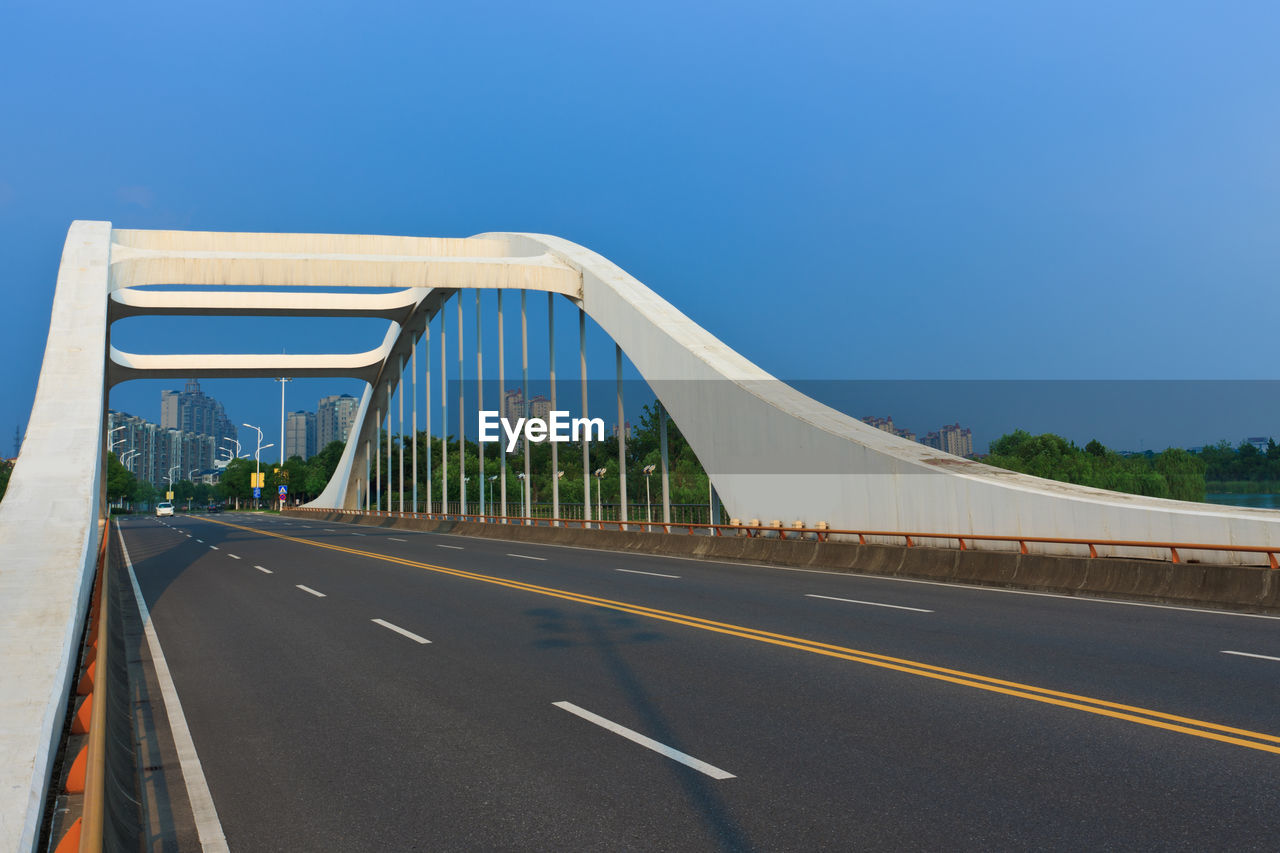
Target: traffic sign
point(257, 493)
point(168, 496)
point(284, 492)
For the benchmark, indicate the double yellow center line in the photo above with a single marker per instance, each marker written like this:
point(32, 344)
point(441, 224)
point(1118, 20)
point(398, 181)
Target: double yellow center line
point(1144, 716)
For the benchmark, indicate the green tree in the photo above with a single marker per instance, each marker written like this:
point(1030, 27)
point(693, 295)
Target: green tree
point(1172, 474)
point(1183, 472)
point(143, 493)
point(319, 469)
point(120, 483)
point(235, 479)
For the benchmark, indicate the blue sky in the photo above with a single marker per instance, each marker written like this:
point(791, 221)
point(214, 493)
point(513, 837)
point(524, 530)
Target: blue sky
point(858, 190)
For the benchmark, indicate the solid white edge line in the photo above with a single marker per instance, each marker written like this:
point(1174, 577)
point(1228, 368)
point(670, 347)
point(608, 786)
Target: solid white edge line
point(871, 603)
point(527, 557)
point(401, 631)
point(316, 593)
point(205, 814)
point(1249, 655)
point(653, 574)
point(261, 569)
point(647, 742)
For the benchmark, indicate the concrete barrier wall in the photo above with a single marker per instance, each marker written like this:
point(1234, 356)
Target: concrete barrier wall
point(1244, 588)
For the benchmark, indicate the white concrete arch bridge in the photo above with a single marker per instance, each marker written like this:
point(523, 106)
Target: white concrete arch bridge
point(772, 452)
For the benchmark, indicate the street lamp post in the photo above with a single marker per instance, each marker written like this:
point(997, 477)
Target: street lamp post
point(599, 473)
point(169, 480)
point(113, 431)
point(556, 506)
point(492, 477)
point(257, 453)
point(282, 380)
point(648, 506)
point(520, 477)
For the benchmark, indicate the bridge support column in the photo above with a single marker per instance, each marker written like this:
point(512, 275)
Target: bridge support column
point(444, 413)
point(551, 356)
point(586, 437)
point(390, 477)
point(462, 422)
point(378, 454)
point(502, 405)
point(479, 404)
point(400, 394)
point(666, 476)
point(524, 368)
point(413, 366)
point(426, 358)
point(622, 445)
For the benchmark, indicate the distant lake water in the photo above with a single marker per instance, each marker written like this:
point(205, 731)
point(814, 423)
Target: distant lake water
point(1255, 501)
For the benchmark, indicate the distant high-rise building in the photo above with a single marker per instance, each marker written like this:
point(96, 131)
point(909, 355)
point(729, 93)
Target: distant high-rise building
point(885, 424)
point(334, 418)
point(626, 429)
point(300, 434)
point(513, 405)
point(539, 407)
point(159, 455)
point(193, 411)
point(956, 440)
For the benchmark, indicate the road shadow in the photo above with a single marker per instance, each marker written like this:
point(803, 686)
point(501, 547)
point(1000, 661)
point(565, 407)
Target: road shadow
point(608, 633)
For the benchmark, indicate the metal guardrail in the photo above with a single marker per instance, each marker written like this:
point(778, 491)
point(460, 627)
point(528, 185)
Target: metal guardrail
point(820, 534)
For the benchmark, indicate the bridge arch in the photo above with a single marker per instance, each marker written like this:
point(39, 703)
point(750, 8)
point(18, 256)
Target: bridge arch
point(771, 451)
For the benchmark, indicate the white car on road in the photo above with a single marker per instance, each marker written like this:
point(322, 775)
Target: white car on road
point(164, 508)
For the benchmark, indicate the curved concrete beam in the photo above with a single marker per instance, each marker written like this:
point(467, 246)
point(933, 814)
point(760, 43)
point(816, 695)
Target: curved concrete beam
point(125, 366)
point(774, 453)
point(136, 267)
point(134, 302)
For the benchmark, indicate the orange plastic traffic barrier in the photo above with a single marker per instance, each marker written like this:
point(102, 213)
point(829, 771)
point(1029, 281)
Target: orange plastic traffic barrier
point(80, 723)
point(75, 776)
point(71, 841)
point(85, 686)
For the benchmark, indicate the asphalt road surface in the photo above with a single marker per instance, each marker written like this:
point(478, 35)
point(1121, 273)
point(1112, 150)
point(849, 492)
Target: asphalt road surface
point(357, 688)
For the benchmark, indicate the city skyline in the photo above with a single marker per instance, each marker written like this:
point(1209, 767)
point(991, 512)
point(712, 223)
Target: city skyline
point(1132, 416)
